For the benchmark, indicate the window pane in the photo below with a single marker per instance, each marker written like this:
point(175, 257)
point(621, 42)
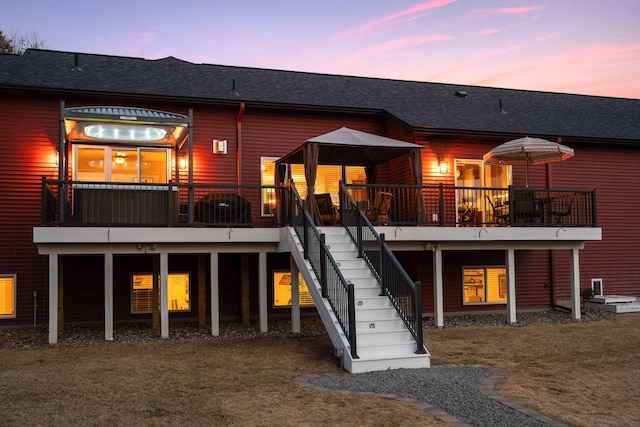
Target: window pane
point(153, 166)
point(179, 292)
point(282, 293)
point(124, 165)
point(496, 284)
point(142, 293)
point(267, 177)
point(7, 296)
point(91, 164)
point(473, 279)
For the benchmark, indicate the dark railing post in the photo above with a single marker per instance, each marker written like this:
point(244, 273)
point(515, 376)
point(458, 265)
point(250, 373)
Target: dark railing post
point(170, 206)
point(441, 204)
point(45, 206)
point(323, 266)
point(359, 230)
point(351, 295)
point(381, 266)
point(418, 316)
point(305, 231)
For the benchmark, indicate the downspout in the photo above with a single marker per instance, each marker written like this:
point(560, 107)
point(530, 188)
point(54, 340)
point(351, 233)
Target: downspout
point(190, 144)
point(62, 164)
point(239, 150)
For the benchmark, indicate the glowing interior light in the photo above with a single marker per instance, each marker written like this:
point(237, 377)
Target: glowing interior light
point(125, 133)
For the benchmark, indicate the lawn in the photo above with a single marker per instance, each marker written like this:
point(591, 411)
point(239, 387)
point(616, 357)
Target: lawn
point(582, 373)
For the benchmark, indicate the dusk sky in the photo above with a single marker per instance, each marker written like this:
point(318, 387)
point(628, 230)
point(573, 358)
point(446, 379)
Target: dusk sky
point(574, 46)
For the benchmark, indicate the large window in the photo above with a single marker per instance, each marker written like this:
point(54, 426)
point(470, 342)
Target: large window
point(477, 183)
point(8, 295)
point(484, 285)
point(327, 181)
point(178, 298)
point(121, 164)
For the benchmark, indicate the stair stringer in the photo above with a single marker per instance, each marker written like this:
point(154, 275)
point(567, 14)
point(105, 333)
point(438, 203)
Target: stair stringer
point(373, 355)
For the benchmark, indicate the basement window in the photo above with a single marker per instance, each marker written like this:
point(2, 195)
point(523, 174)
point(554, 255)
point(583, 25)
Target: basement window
point(8, 296)
point(484, 285)
point(282, 295)
point(178, 298)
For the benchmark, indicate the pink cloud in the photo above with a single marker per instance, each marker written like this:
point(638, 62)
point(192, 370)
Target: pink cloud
point(406, 15)
point(400, 44)
point(489, 31)
point(515, 10)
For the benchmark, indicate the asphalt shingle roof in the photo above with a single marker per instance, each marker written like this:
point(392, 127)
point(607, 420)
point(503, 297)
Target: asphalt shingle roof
point(418, 104)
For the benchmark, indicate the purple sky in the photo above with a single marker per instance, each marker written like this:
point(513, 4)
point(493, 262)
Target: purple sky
point(574, 46)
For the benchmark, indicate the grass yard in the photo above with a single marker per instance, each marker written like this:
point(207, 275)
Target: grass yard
point(584, 374)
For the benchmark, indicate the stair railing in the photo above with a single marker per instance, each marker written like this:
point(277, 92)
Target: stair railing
point(405, 294)
point(339, 293)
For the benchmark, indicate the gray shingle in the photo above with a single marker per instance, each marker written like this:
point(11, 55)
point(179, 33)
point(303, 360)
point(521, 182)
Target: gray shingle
point(419, 104)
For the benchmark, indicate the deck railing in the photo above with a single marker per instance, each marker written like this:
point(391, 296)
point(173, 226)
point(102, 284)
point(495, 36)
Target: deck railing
point(449, 206)
point(339, 293)
point(405, 294)
point(216, 205)
point(147, 204)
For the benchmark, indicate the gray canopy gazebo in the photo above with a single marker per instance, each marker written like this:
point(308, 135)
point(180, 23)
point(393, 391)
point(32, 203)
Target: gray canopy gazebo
point(349, 147)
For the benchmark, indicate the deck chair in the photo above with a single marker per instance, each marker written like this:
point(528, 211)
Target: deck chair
point(326, 208)
point(561, 208)
point(500, 213)
point(525, 208)
point(379, 210)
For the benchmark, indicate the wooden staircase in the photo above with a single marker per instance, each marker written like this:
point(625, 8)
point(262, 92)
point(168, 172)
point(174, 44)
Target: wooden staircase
point(383, 340)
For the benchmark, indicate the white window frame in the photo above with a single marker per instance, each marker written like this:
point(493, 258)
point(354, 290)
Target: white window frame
point(597, 287)
point(485, 285)
point(168, 303)
point(108, 149)
point(265, 191)
point(15, 296)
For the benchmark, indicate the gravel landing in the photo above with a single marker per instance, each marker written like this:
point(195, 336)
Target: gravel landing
point(462, 392)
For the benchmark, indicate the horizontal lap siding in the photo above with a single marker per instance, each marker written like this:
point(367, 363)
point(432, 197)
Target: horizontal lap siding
point(611, 170)
point(28, 137)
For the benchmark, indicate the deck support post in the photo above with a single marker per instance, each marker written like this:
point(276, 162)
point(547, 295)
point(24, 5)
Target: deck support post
point(262, 291)
point(511, 287)
point(215, 299)
point(53, 298)
point(575, 284)
point(108, 297)
point(164, 292)
point(438, 309)
point(295, 296)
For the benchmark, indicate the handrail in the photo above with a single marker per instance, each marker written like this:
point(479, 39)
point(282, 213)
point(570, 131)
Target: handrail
point(405, 294)
point(339, 293)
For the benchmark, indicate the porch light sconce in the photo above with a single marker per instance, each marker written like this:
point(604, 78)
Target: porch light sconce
point(443, 167)
point(219, 146)
point(183, 163)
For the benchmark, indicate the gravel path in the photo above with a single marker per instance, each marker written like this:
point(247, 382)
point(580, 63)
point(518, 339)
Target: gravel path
point(459, 395)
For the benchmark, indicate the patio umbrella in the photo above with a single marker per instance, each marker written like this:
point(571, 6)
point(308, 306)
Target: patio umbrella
point(528, 151)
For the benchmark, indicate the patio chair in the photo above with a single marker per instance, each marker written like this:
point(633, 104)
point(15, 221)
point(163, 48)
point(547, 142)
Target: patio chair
point(379, 211)
point(500, 213)
point(328, 213)
point(561, 208)
point(525, 208)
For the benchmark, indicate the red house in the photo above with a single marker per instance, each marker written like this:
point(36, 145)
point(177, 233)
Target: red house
point(159, 190)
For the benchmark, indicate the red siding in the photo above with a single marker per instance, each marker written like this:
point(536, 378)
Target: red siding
point(611, 171)
point(28, 137)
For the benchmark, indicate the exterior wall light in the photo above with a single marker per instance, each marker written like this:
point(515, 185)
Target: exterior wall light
point(443, 167)
point(183, 163)
point(219, 146)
